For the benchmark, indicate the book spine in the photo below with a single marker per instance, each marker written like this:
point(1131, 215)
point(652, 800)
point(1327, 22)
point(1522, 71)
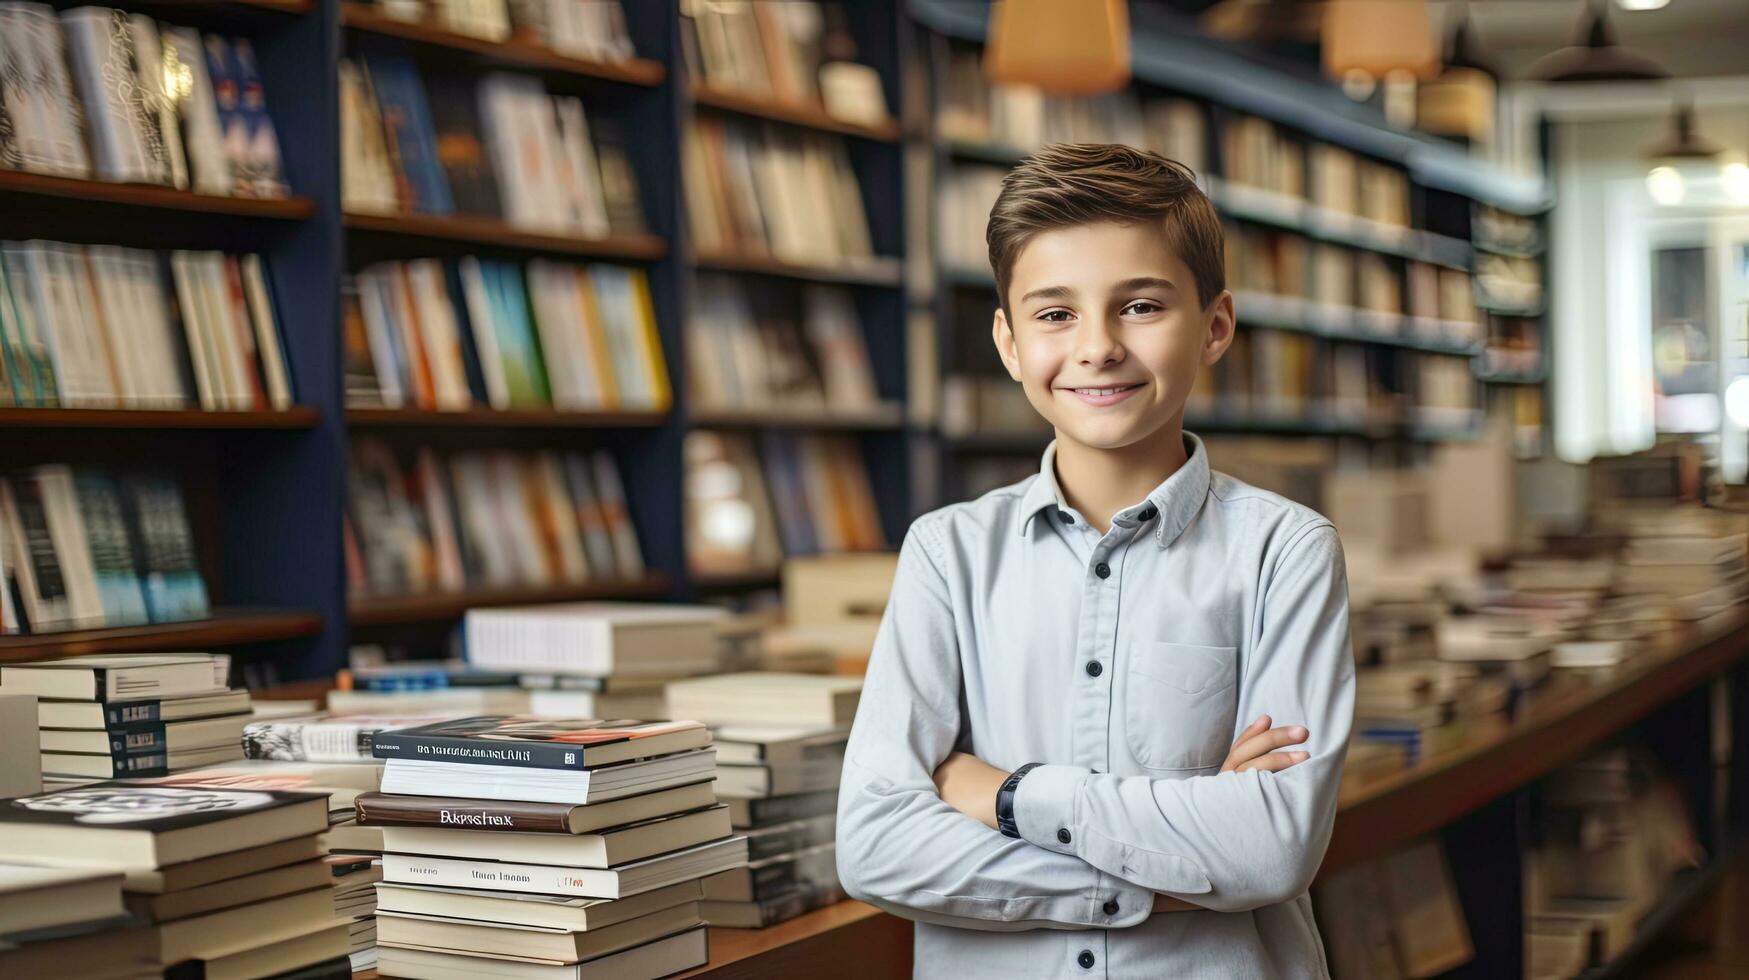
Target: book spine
point(388, 810)
point(131, 713)
point(137, 741)
point(297, 741)
point(522, 755)
point(494, 876)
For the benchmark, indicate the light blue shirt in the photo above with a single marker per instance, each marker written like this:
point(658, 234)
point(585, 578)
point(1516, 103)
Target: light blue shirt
point(1126, 663)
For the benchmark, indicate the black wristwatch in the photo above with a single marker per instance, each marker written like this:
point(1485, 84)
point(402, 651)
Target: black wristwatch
point(1005, 801)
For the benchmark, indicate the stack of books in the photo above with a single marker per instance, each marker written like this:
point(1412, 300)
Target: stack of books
point(780, 742)
point(353, 853)
point(527, 848)
point(430, 335)
point(69, 922)
point(748, 350)
point(376, 685)
point(97, 105)
point(233, 879)
point(99, 326)
point(111, 716)
point(596, 655)
point(83, 548)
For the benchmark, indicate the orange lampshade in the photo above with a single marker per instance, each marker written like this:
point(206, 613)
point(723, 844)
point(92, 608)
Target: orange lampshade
point(1068, 47)
point(1377, 37)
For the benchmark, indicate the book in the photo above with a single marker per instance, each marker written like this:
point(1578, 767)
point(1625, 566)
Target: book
point(411, 137)
point(760, 913)
point(625, 880)
point(244, 889)
point(33, 898)
point(769, 877)
point(342, 738)
point(148, 827)
point(227, 930)
point(164, 548)
point(660, 958)
point(189, 876)
point(311, 952)
point(150, 762)
point(515, 816)
point(596, 638)
point(99, 716)
point(759, 812)
point(767, 697)
point(776, 744)
point(508, 939)
point(542, 911)
point(125, 131)
point(540, 743)
point(577, 786)
point(780, 839)
point(805, 777)
point(604, 848)
point(112, 677)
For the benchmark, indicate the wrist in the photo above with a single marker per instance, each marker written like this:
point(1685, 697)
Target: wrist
point(1005, 801)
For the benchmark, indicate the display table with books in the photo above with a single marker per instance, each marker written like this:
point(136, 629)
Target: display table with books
point(1377, 813)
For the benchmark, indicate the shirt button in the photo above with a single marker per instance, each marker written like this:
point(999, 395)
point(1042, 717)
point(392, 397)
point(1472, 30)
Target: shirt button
point(1102, 570)
point(1066, 517)
point(1111, 907)
point(1085, 959)
point(1062, 835)
point(1094, 669)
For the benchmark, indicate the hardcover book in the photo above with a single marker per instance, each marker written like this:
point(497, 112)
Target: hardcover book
point(516, 816)
point(540, 743)
point(112, 677)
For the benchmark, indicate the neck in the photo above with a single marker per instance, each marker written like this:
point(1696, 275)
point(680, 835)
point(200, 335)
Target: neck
point(1101, 482)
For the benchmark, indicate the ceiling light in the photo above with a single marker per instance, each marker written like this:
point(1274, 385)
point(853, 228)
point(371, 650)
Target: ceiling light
point(1682, 142)
point(1642, 4)
point(1666, 186)
point(1735, 177)
point(1596, 57)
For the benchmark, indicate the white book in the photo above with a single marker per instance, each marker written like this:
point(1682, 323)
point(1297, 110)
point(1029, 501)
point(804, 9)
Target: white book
point(45, 113)
point(118, 318)
point(404, 317)
point(509, 490)
point(605, 848)
point(268, 339)
point(375, 301)
point(482, 781)
point(558, 319)
point(112, 677)
point(200, 352)
point(441, 335)
point(555, 501)
point(588, 199)
point(661, 958)
point(185, 57)
point(632, 878)
point(32, 268)
point(511, 111)
point(225, 319)
point(480, 321)
point(123, 129)
point(367, 181)
point(479, 514)
point(71, 272)
point(158, 343)
point(60, 501)
point(149, 52)
point(596, 639)
point(537, 911)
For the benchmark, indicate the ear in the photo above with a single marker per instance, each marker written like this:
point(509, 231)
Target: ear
point(1221, 327)
point(1003, 334)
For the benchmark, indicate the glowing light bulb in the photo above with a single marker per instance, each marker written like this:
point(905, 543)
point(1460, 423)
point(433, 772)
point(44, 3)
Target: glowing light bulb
point(1666, 186)
point(1737, 401)
point(1735, 177)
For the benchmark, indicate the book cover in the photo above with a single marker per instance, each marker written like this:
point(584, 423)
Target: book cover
point(112, 556)
point(163, 547)
point(525, 372)
point(461, 146)
point(345, 738)
point(197, 110)
point(260, 146)
point(411, 136)
point(540, 743)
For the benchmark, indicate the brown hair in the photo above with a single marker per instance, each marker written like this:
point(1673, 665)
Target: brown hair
point(1077, 183)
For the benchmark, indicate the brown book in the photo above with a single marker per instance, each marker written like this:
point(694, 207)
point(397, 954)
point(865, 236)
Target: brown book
point(392, 810)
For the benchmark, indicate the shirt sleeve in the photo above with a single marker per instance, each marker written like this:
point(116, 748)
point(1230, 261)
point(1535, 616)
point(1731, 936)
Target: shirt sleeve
point(1230, 841)
point(899, 846)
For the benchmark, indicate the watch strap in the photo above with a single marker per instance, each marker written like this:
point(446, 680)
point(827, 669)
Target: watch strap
point(1005, 801)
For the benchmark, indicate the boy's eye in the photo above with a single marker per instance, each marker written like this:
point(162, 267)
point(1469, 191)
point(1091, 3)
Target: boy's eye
point(1055, 316)
point(1141, 307)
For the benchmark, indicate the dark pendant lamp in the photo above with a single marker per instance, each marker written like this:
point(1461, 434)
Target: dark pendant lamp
point(1596, 57)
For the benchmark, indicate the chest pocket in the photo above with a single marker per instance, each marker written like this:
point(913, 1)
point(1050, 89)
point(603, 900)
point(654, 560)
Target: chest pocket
point(1179, 704)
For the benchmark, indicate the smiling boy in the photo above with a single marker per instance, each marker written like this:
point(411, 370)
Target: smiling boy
point(1051, 769)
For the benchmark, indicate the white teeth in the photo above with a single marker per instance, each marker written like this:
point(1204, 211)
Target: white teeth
point(1099, 392)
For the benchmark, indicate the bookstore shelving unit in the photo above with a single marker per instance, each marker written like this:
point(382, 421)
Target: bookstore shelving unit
point(876, 285)
point(1444, 185)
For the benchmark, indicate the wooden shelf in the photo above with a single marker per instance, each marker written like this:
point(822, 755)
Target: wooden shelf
point(19, 185)
point(296, 417)
point(1349, 324)
point(226, 627)
point(475, 230)
point(510, 54)
point(491, 418)
point(882, 271)
point(818, 943)
point(432, 606)
point(768, 578)
point(805, 115)
point(1559, 723)
point(880, 418)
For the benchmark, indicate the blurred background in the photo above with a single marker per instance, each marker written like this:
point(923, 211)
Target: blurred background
point(369, 314)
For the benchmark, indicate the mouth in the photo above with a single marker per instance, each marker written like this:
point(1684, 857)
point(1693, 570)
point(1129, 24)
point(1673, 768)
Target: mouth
point(1105, 394)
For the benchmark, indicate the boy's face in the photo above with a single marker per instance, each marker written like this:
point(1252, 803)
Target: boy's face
point(1107, 334)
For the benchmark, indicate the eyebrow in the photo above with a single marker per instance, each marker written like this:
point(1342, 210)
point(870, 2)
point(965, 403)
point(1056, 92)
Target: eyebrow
point(1048, 292)
point(1137, 284)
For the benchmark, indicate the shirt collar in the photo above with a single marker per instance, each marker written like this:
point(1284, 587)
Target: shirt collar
point(1177, 499)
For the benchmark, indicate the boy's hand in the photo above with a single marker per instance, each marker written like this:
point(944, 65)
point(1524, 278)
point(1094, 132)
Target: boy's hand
point(1256, 746)
point(969, 784)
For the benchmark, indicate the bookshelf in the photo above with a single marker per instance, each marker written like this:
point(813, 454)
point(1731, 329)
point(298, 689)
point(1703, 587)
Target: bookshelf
point(145, 418)
point(25, 190)
point(414, 232)
point(492, 418)
point(377, 611)
point(438, 44)
point(225, 628)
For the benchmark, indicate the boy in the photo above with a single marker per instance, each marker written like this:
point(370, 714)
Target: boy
point(1051, 771)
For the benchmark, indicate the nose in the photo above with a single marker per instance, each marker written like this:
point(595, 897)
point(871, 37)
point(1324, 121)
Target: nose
point(1097, 343)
